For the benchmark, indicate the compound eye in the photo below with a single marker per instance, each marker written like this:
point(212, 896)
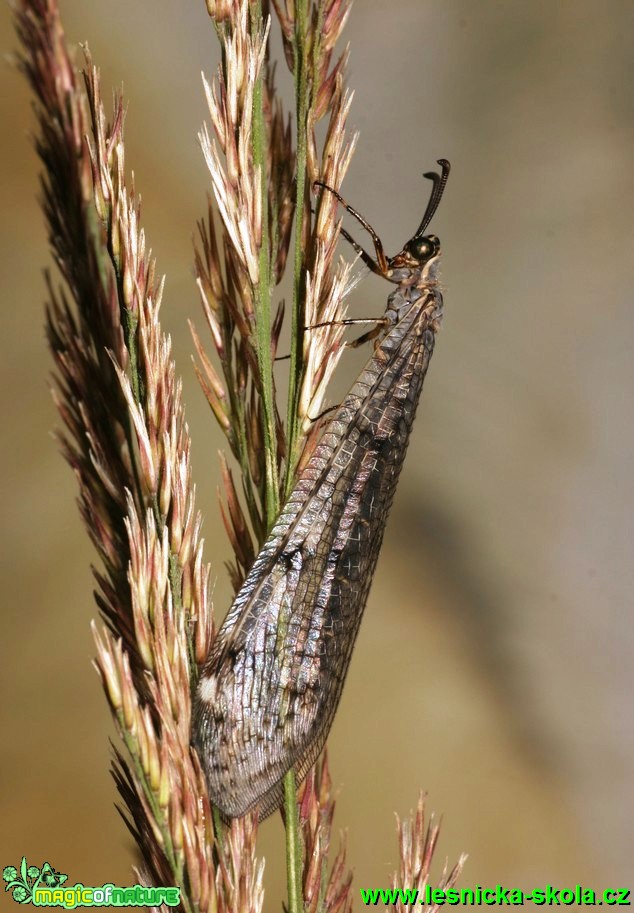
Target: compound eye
point(424, 248)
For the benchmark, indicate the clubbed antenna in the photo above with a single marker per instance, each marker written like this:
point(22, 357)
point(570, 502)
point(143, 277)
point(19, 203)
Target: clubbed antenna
point(439, 183)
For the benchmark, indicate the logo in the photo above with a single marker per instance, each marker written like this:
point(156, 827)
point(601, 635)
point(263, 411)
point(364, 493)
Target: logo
point(29, 878)
point(46, 887)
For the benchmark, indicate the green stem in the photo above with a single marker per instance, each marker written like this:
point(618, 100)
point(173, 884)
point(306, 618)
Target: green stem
point(263, 299)
point(293, 834)
point(297, 315)
point(293, 846)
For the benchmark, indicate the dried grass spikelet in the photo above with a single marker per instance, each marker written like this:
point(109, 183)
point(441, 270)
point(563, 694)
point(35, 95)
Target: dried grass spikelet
point(228, 266)
point(324, 281)
point(226, 259)
point(326, 284)
point(322, 889)
point(417, 840)
point(127, 442)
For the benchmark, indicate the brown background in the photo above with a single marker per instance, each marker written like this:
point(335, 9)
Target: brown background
point(495, 665)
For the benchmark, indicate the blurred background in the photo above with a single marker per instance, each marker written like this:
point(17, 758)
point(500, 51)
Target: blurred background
point(495, 664)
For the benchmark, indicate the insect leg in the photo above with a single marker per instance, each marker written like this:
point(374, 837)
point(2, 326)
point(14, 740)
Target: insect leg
point(371, 334)
point(348, 322)
point(379, 324)
point(323, 413)
point(381, 259)
point(365, 256)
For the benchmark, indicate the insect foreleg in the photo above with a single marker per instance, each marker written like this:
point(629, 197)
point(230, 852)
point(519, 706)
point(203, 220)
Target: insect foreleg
point(381, 259)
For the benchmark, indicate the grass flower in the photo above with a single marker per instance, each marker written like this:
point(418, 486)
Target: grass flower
point(125, 435)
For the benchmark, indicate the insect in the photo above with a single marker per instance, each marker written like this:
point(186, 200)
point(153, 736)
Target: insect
point(268, 691)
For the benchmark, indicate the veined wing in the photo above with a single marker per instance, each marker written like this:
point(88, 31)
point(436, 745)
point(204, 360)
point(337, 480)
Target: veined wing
point(268, 692)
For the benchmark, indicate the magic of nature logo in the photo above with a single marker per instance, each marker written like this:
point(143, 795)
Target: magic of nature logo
point(46, 887)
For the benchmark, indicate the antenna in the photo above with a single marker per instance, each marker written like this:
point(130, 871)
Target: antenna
point(439, 181)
